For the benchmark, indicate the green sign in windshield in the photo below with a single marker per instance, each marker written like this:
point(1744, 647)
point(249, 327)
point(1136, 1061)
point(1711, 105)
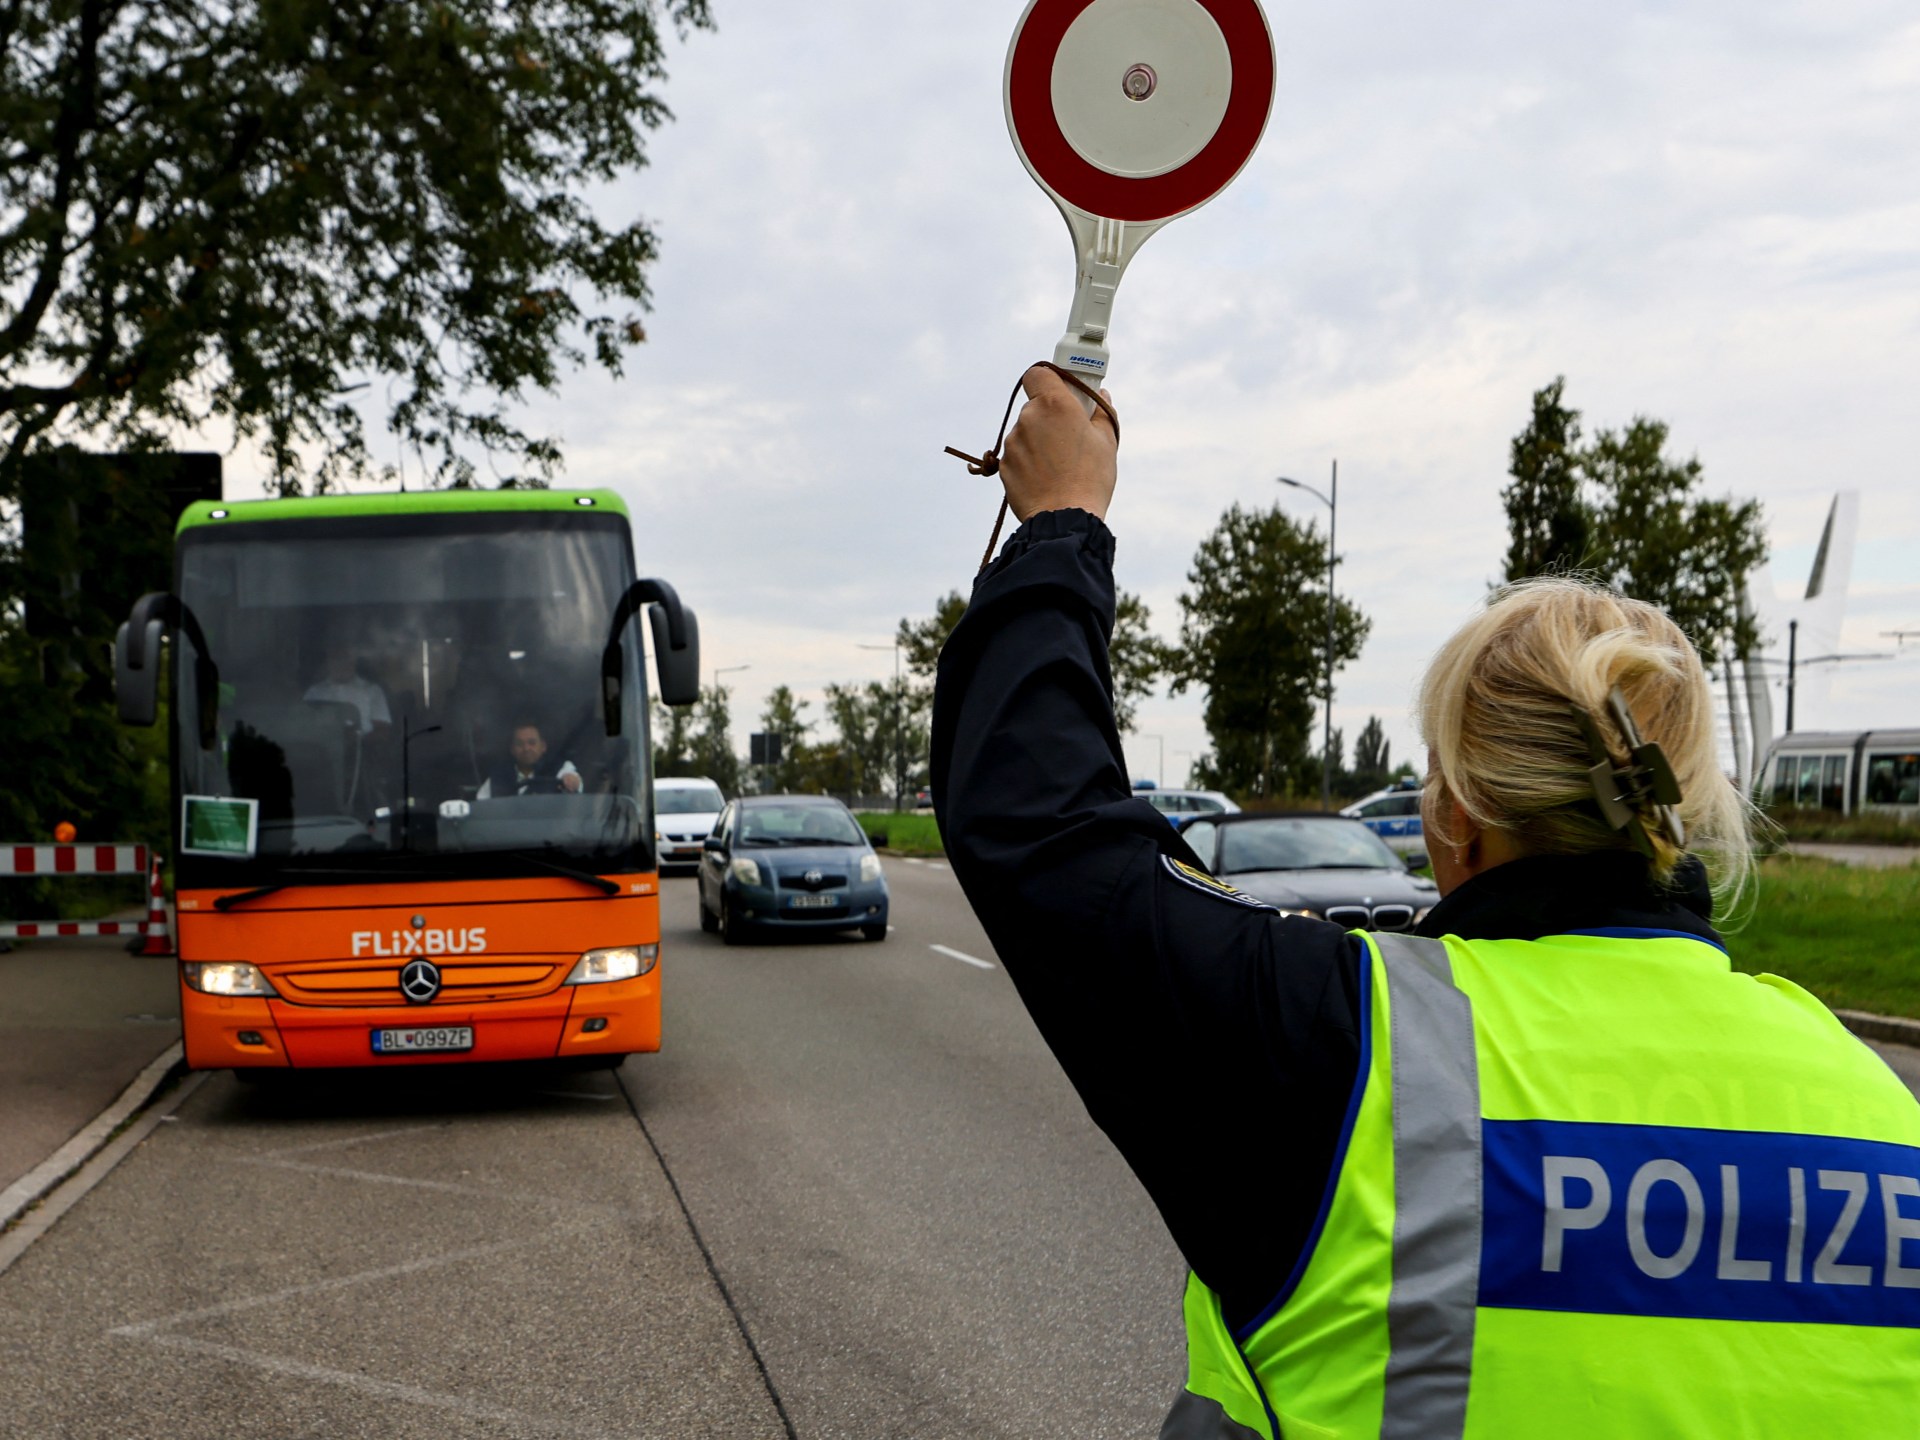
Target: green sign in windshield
point(213, 825)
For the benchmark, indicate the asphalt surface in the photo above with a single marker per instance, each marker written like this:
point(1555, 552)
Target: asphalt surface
point(79, 1019)
point(873, 1177)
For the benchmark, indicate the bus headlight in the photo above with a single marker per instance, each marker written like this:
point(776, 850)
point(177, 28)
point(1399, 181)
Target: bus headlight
point(869, 868)
point(227, 977)
point(618, 962)
point(746, 871)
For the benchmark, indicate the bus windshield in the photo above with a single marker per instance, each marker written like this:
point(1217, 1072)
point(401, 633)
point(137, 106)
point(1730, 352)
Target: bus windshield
point(420, 685)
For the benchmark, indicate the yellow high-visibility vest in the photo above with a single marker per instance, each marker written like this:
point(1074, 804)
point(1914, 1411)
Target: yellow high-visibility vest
point(1593, 1185)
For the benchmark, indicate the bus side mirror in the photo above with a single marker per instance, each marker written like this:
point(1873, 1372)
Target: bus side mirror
point(136, 663)
point(136, 687)
point(676, 648)
point(679, 670)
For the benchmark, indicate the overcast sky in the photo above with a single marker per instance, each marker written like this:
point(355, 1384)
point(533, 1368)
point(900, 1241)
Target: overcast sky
point(1702, 212)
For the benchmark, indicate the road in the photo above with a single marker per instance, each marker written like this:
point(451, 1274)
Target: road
point(851, 1197)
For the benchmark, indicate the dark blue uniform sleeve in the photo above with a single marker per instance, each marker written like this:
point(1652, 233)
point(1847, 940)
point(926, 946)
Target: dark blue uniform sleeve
point(1215, 1042)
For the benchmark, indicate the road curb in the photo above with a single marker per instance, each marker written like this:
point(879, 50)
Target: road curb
point(33, 1186)
point(1888, 1029)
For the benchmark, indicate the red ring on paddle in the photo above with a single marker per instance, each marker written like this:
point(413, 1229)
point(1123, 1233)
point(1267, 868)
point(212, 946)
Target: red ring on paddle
point(1155, 197)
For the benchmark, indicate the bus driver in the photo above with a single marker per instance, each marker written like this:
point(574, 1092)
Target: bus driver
point(529, 772)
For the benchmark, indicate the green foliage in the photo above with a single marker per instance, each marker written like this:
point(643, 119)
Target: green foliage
point(1623, 512)
point(711, 743)
point(1371, 766)
point(1137, 659)
point(1843, 932)
point(881, 737)
point(673, 740)
point(1253, 635)
point(1547, 520)
point(245, 211)
point(785, 716)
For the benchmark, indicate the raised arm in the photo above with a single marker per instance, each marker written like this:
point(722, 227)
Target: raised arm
point(1212, 1040)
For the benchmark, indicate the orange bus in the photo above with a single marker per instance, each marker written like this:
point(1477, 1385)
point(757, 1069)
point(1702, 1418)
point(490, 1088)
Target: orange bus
point(412, 780)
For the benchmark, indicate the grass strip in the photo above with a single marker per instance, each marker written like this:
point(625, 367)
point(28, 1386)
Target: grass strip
point(901, 832)
point(1845, 932)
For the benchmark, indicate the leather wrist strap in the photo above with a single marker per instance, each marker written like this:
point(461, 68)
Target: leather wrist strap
point(989, 462)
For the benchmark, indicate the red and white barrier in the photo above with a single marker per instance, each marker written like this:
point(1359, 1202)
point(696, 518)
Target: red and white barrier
point(90, 860)
point(73, 859)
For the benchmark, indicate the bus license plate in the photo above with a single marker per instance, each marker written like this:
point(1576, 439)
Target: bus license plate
point(428, 1037)
point(814, 902)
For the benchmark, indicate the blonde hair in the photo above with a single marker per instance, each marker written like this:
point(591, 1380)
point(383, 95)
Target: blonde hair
point(1496, 712)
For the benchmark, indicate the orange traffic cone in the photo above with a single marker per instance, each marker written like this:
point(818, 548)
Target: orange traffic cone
point(158, 941)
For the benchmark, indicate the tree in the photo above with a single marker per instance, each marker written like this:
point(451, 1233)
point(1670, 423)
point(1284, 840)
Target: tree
point(1547, 520)
point(1370, 763)
point(1654, 541)
point(251, 211)
point(865, 717)
point(785, 715)
point(712, 741)
point(1623, 512)
point(1253, 635)
point(1137, 658)
point(673, 740)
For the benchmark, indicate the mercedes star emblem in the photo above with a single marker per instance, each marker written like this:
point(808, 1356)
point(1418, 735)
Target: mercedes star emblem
point(420, 981)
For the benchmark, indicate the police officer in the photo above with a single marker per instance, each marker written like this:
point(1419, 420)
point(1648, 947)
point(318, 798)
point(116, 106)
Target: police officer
point(1548, 1167)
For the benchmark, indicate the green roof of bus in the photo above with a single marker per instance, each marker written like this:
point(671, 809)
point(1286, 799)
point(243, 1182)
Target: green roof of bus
point(411, 502)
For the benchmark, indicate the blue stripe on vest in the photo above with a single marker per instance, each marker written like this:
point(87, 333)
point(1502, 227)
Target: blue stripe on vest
point(1699, 1224)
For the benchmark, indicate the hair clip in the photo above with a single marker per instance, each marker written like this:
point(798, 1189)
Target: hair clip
point(1622, 792)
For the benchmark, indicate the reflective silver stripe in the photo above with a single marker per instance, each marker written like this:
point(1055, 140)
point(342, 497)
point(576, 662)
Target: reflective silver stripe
point(1436, 1194)
point(1197, 1417)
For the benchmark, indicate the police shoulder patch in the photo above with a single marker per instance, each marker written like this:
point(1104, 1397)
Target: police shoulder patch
point(1198, 879)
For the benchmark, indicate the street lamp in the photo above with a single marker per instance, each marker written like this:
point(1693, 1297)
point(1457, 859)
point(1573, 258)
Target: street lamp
point(726, 670)
point(899, 740)
point(1332, 502)
point(1160, 770)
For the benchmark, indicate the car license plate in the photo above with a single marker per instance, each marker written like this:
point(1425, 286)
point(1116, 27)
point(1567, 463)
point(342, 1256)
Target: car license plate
point(813, 902)
point(423, 1038)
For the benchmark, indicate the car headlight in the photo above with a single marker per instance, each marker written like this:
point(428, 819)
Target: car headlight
point(1422, 914)
point(227, 977)
point(869, 867)
point(1305, 914)
point(617, 962)
point(747, 872)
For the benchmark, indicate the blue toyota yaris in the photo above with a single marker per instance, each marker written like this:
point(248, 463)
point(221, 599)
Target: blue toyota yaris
point(790, 862)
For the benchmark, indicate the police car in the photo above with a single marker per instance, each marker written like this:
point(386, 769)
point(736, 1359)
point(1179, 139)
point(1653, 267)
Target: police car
point(1394, 815)
point(1181, 807)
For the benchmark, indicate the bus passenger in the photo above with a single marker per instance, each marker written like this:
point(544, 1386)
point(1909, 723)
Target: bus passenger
point(342, 682)
point(530, 771)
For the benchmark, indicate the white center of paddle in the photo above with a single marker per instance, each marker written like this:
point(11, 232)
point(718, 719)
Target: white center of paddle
point(1103, 63)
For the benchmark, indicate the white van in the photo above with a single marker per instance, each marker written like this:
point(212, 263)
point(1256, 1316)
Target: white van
point(684, 809)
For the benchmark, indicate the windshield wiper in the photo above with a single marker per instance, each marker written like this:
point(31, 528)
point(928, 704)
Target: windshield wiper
point(572, 872)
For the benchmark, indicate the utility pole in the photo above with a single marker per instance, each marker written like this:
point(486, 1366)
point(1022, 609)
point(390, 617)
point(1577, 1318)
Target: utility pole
point(1332, 502)
point(1793, 647)
point(899, 737)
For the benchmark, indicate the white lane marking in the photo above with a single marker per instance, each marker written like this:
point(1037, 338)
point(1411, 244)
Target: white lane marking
point(342, 1173)
point(962, 955)
point(145, 1329)
point(521, 1422)
point(350, 1140)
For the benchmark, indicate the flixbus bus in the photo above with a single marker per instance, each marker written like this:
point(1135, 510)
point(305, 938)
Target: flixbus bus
point(366, 872)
